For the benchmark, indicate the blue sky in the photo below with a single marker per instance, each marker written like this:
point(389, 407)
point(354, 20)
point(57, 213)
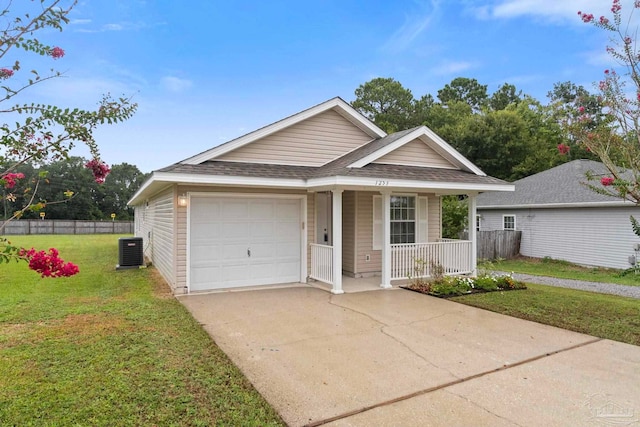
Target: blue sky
point(205, 71)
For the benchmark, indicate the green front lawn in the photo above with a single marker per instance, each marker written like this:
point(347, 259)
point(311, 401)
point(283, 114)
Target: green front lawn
point(604, 316)
point(562, 269)
point(110, 348)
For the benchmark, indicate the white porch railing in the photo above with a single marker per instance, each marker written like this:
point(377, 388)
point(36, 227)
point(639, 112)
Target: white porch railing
point(322, 263)
point(420, 259)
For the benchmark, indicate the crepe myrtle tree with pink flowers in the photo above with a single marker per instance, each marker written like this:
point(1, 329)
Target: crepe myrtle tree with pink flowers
point(613, 132)
point(40, 133)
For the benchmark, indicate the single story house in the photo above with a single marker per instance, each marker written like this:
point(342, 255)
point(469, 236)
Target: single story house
point(319, 194)
point(561, 218)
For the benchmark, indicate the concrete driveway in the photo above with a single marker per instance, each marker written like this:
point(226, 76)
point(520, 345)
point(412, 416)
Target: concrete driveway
point(398, 358)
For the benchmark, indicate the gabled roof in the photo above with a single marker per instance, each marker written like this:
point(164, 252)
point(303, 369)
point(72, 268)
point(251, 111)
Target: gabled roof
point(422, 132)
point(353, 169)
point(561, 186)
point(337, 104)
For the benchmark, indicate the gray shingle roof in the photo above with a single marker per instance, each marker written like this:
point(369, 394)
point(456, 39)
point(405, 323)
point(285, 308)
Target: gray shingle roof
point(560, 185)
point(337, 167)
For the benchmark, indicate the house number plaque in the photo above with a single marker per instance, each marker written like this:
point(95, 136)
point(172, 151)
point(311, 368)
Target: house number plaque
point(381, 183)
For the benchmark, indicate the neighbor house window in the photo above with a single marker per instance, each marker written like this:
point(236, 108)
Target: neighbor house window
point(508, 222)
point(403, 219)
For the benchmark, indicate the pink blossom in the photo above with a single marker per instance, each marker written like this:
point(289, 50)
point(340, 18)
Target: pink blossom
point(11, 178)
point(586, 17)
point(56, 52)
point(627, 40)
point(615, 8)
point(563, 149)
point(636, 4)
point(606, 71)
point(606, 181)
point(5, 73)
point(604, 20)
point(48, 264)
point(581, 110)
point(99, 169)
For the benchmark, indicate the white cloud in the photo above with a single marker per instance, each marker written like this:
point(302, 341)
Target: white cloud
point(113, 27)
point(453, 67)
point(416, 22)
point(551, 10)
point(80, 21)
point(176, 84)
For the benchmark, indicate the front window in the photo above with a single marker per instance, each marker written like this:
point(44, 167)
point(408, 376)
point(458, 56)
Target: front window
point(508, 222)
point(403, 219)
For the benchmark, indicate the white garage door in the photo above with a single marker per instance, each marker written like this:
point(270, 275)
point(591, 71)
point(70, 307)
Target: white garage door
point(243, 241)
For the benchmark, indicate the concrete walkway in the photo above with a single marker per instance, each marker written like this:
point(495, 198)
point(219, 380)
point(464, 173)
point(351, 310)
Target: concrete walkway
point(396, 358)
point(599, 287)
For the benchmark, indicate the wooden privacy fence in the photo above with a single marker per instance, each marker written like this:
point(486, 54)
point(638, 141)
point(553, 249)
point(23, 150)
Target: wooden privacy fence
point(58, 226)
point(496, 244)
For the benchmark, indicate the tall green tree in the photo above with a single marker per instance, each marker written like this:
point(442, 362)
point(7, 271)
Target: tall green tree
point(387, 103)
point(463, 89)
point(71, 177)
point(506, 95)
point(123, 181)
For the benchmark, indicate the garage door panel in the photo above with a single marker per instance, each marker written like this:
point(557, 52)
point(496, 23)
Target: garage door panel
point(289, 269)
point(222, 229)
point(289, 210)
point(263, 230)
point(288, 229)
point(262, 251)
point(261, 210)
point(286, 251)
point(208, 255)
point(205, 274)
point(204, 208)
point(234, 231)
point(234, 209)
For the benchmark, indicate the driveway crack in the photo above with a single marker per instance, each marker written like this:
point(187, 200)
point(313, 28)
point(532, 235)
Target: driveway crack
point(416, 353)
point(477, 405)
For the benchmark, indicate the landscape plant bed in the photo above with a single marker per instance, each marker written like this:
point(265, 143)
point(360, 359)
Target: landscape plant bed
point(453, 286)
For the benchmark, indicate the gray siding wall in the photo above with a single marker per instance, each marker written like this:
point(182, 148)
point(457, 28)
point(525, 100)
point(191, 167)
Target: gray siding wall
point(155, 224)
point(590, 236)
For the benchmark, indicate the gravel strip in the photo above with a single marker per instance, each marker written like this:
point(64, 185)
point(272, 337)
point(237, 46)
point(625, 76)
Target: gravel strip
point(603, 288)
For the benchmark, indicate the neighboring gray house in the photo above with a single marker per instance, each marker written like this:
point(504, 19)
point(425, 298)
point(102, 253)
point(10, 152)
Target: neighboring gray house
point(562, 218)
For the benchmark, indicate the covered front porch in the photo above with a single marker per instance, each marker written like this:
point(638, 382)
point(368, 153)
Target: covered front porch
point(398, 217)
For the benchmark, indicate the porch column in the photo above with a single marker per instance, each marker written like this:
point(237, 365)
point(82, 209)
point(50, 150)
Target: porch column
point(336, 218)
point(473, 235)
point(386, 240)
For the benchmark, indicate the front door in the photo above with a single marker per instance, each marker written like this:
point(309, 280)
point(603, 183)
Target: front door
point(323, 218)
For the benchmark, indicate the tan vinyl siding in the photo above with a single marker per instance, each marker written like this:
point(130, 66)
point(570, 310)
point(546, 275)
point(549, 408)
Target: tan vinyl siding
point(313, 142)
point(158, 230)
point(435, 222)
point(348, 231)
point(364, 236)
point(416, 153)
point(181, 223)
